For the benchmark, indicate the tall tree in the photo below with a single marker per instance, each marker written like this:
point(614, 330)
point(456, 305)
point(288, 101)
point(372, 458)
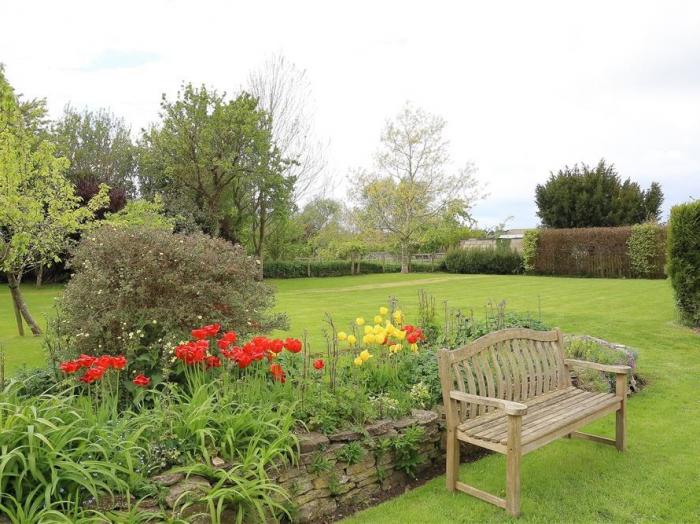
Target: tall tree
point(39, 210)
point(584, 196)
point(411, 185)
point(211, 156)
point(99, 148)
point(284, 93)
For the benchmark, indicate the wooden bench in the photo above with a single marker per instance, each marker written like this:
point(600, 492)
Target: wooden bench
point(510, 392)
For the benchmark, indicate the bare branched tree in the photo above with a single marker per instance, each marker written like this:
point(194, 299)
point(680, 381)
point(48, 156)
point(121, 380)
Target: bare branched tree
point(284, 91)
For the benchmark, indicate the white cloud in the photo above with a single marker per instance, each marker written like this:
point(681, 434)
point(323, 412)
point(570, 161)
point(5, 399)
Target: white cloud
point(525, 87)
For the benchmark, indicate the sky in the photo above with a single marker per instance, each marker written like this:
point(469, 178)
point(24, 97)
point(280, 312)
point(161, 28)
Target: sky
point(525, 87)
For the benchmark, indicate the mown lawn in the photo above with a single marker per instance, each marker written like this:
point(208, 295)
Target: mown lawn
point(569, 481)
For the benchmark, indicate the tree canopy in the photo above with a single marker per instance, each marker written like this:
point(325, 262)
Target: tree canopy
point(410, 188)
point(584, 196)
point(215, 159)
point(39, 210)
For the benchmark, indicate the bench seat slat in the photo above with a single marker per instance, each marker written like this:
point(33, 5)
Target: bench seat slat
point(545, 414)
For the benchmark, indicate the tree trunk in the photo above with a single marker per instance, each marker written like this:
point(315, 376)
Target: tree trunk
point(404, 259)
point(21, 307)
point(40, 275)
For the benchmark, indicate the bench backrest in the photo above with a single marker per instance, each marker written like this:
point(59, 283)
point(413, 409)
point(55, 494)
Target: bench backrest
point(512, 364)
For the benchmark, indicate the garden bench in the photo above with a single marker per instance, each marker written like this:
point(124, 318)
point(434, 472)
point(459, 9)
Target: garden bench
point(511, 392)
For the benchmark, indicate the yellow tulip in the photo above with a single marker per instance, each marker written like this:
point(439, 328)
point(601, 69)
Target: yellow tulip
point(395, 348)
point(358, 361)
point(368, 339)
point(365, 355)
point(377, 319)
point(400, 334)
point(342, 335)
point(414, 348)
point(368, 330)
point(377, 329)
point(390, 328)
point(352, 339)
point(360, 321)
point(383, 310)
point(398, 316)
point(379, 338)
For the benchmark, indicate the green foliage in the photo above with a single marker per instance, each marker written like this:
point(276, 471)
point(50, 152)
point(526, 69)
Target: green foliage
point(595, 197)
point(351, 453)
point(39, 210)
point(138, 291)
point(530, 249)
point(98, 146)
point(214, 159)
point(498, 260)
point(591, 351)
point(406, 448)
point(65, 448)
point(319, 464)
point(684, 259)
point(142, 213)
point(646, 249)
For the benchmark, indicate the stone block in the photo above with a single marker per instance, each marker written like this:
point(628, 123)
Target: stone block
point(316, 509)
point(190, 488)
point(379, 428)
point(345, 436)
point(311, 441)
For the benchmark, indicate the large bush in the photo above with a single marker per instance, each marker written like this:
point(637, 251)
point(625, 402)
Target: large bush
point(684, 259)
point(134, 290)
point(498, 261)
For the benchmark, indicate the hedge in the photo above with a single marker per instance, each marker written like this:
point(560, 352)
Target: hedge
point(684, 259)
point(609, 252)
point(494, 261)
point(334, 268)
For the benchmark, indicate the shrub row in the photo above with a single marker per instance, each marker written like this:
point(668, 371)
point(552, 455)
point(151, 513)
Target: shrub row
point(684, 259)
point(608, 252)
point(495, 261)
point(334, 268)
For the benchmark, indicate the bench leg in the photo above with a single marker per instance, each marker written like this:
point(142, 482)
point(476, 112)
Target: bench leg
point(621, 391)
point(452, 469)
point(513, 457)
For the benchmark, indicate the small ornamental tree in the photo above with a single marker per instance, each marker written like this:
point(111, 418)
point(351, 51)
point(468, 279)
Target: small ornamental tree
point(137, 291)
point(684, 259)
point(39, 210)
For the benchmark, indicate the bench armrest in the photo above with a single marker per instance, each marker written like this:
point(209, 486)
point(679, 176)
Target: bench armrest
point(510, 407)
point(619, 369)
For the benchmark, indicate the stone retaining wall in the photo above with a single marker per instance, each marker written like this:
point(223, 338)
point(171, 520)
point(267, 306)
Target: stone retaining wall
point(322, 484)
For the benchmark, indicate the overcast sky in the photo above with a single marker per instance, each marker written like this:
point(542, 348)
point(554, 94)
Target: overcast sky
point(525, 87)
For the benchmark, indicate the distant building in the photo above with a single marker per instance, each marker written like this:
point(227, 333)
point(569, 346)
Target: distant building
point(514, 237)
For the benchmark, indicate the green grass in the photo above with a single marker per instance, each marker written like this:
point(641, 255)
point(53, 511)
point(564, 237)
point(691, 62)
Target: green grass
point(567, 481)
point(25, 351)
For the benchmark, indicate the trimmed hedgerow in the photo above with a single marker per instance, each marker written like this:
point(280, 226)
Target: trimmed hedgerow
point(684, 259)
point(646, 247)
point(530, 249)
point(335, 268)
point(495, 261)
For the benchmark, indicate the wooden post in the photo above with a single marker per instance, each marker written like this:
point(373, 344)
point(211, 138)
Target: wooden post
point(452, 466)
point(513, 455)
point(621, 391)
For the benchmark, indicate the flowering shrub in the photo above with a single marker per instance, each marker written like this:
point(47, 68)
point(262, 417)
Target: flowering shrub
point(138, 292)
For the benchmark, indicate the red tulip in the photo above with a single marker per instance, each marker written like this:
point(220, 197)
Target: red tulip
point(319, 363)
point(141, 381)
